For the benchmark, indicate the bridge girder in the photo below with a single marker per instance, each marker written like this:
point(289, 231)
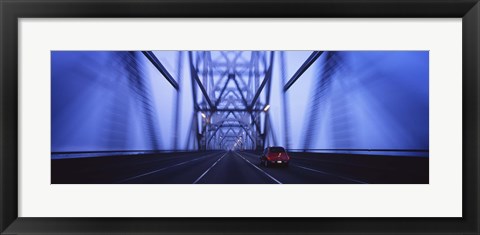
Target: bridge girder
point(231, 89)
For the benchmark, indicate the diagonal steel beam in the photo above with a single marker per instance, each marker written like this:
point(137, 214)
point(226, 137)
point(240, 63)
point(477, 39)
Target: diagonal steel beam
point(216, 130)
point(248, 134)
point(240, 125)
point(217, 102)
point(229, 136)
point(239, 90)
point(220, 78)
point(152, 58)
point(199, 83)
point(254, 122)
point(310, 60)
point(230, 127)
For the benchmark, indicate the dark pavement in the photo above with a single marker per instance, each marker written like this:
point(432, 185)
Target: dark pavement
point(221, 167)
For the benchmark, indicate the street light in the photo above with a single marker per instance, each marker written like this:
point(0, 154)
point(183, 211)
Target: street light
point(203, 115)
point(266, 108)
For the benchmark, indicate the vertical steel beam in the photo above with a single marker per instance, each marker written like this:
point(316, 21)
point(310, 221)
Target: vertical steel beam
point(199, 83)
point(286, 131)
point(268, 75)
point(177, 102)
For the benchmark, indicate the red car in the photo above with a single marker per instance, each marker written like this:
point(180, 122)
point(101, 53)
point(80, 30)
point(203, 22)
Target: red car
point(273, 156)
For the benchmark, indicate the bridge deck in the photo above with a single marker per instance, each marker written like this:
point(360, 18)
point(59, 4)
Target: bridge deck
point(242, 167)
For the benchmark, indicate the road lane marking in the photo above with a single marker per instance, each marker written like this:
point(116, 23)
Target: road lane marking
point(271, 177)
point(204, 173)
point(322, 172)
point(333, 162)
point(326, 173)
point(164, 168)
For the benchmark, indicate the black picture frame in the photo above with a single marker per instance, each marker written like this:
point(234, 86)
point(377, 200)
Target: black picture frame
point(12, 10)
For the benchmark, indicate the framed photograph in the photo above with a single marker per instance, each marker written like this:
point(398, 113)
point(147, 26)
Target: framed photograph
point(174, 117)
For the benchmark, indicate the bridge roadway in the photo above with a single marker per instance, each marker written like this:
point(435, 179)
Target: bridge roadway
point(239, 167)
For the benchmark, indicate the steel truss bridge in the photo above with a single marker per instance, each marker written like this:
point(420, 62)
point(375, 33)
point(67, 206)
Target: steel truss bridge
point(231, 93)
point(235, 91)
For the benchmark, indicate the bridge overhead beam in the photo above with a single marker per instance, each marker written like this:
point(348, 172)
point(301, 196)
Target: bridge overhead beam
point(230, 125)
point(226, 93)
point(232, 110)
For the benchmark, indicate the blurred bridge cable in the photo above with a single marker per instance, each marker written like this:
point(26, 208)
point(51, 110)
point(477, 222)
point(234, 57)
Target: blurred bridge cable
point(141, 88)
point(321, 92)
